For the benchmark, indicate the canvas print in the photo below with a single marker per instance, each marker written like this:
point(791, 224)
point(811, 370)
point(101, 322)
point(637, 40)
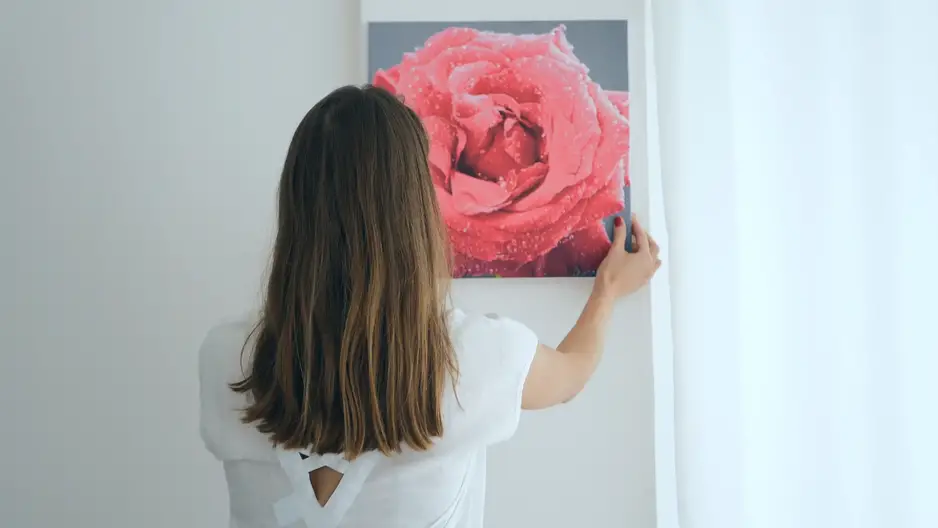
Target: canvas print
point(529, 136)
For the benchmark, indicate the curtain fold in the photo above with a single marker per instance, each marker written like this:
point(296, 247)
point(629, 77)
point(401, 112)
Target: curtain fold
point(797, 147)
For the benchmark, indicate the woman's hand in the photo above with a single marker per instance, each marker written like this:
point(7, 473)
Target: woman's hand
point(622, 273)
point(558, 374)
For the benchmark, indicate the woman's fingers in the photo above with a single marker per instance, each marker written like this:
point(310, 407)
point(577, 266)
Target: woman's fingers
point(642, 242)
point(640, 235)
point(653, 246)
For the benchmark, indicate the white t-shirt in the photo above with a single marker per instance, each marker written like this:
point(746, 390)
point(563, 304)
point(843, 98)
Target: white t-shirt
point(441, 487)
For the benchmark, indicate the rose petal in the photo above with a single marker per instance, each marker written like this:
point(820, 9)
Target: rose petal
point(524, 235)
point(531, 113)
point(524, 180)
point(568, 120)
point(613, 147)
point(387, 79)
point(507, 152)
point(559, 39)
point(472, 196)
point(553, 44)
point(441, 179)
point(447, 39)
point(515, 236)
point(459, 69)
point(579, 254)
point(507, 81)
point(446, 143)
point(453, 219)
point(610, 198)
point(519, 143)
point(462, 79)
point(620, 100)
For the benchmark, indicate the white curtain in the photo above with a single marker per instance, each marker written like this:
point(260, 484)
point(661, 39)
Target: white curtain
point(796, 321)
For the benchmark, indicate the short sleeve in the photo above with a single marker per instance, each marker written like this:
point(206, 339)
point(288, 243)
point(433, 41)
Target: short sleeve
point(220, 426)
point(494, 356)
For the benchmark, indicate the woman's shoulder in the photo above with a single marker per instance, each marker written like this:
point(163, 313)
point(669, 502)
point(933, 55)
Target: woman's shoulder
point(468, 323)
point(223, 343)
point(490, 347)
point(476, 334)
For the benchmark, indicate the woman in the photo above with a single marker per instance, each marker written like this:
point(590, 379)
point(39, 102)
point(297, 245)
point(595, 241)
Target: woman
point(361, 399)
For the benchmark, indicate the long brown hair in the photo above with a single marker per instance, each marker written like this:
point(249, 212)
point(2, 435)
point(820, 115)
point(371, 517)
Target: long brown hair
point(352, 352)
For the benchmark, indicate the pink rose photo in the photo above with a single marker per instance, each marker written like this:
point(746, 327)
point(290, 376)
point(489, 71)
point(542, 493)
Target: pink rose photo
point(529, 136)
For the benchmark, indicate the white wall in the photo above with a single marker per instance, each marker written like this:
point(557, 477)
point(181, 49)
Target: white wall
point(141, 144)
